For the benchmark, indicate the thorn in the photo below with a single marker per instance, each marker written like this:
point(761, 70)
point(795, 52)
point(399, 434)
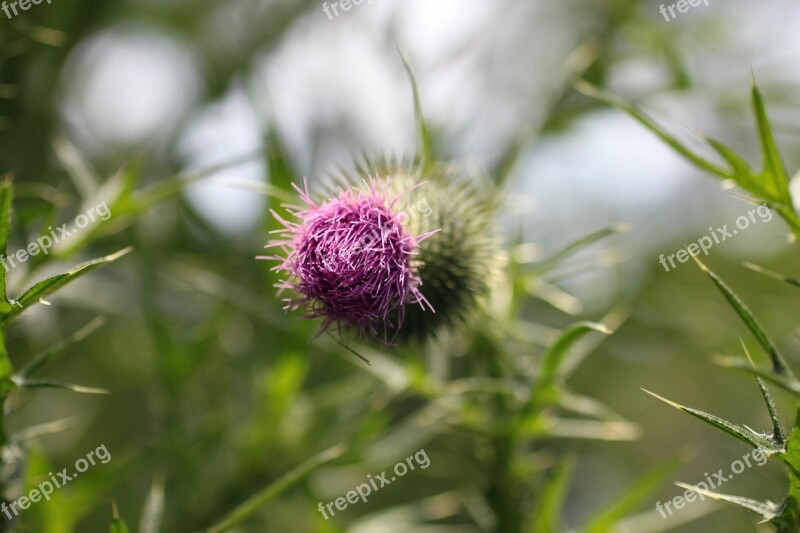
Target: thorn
point(702, 265)
point(622, 227)
point(669, 402)
point(747, 352)
point(762, 270)
point(694, 488)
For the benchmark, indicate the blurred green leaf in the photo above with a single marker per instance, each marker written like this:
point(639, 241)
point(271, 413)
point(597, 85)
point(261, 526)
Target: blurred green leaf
point(42, 359)
point(579, 245)
point(428, 159)
point(51, 384)
point(547, 517)
point(258, 500)
point(775, 275)
point(632, 498)
point(543, 391)
point(153, 509)
point(117, 524)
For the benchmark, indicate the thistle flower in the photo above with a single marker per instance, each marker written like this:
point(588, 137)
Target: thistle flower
point(350, 260)
point(394, 258)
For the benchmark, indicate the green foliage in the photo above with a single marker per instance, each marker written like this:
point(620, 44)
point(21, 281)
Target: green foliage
point(255, 502)
point(117, 524)
point(770, 184)
point(784, 517)
point(632, 498)
point(219, 400)
point(13, 308)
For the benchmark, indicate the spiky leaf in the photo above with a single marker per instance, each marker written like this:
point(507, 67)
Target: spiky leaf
point(50, 285)
point(779, 365)
point(743, 433)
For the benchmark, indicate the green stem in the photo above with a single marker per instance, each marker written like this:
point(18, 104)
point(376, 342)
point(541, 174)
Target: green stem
point(6, 384)
point(789, 519)
point(504, 494)
point(504, 491)
point(792, 219)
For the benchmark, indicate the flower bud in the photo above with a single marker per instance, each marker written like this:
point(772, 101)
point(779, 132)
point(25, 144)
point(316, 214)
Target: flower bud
point(393, 254)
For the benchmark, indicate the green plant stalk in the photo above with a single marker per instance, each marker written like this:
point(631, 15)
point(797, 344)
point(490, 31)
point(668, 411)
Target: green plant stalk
point(789, 519)
point(790, 216)
point(502, 494)
point(6, 384)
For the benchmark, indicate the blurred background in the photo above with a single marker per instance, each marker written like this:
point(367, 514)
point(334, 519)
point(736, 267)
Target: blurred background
point(215, 392)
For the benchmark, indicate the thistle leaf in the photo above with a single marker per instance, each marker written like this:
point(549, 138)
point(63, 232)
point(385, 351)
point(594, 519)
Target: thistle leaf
point(767, 510)
point(579, 245)
point(78, 168)
point(117, 524)
point(555, 356)
point(569, 428)
point(774, 179)
point(543, 390)
point(775, 275)
point(779, 365)
point(48, 428)
point(50, 353)
point(743, 433)
point(547, 517)
point(50, 384)
point(153, 510)
point(50, 285)
point(426, 141)
point(255, 502)
point(170, 186)
point(742, 173)
point(770, 184)
point(586, 406)
point(736, 363)
point(778, 435)
point(614, 101)
point(632, 497)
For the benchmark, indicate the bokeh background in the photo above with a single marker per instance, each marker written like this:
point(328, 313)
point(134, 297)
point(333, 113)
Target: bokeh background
point(215, 392)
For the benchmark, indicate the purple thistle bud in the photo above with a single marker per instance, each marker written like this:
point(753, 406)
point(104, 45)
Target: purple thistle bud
point(350, 260)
